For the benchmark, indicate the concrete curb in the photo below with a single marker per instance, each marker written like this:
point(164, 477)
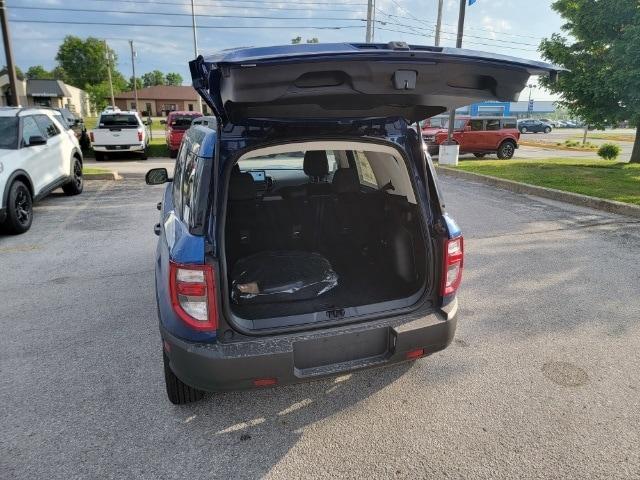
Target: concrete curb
point(610, 206)
point(103, 176)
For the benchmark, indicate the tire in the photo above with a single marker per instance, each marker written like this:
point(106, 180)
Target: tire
point(479, 155)
point(547, 130)
point(19, 208)
point(99, 156)
point(179, 393)
point(144, 156)
point(76, 185)
point(173, 153)
point(524, 130)
point(506, 150)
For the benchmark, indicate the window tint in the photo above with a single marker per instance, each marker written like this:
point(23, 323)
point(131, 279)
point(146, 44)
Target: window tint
point(9, 132)
point(47, 127)
point(493, 124)
point(121, 120)
point(177, 179)
point(29, 129)
point(476, 125)
point(187, 186)
point(365, 172)
point(62, 121)
point(509, 123)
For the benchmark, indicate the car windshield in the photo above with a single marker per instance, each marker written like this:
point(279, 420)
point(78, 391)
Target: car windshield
point(181, 123)
point(282, 161)
point(121, 120)
point(9, 132)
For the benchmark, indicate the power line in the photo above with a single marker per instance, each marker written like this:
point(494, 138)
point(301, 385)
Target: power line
point(314, 2)
point(174, 14)
point(124, 24)
point(236, 6)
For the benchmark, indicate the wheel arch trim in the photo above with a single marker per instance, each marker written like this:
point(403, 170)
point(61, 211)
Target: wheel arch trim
point(14, 176)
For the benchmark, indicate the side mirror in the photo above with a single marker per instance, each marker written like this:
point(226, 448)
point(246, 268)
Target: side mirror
point(163, 122)
point(36, 140)
point(157, 176)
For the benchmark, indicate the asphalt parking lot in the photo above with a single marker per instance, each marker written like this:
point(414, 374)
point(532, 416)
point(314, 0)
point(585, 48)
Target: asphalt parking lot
point(541, 382)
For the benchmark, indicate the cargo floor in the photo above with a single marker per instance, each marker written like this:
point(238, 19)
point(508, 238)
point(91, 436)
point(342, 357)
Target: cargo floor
point(365, 284)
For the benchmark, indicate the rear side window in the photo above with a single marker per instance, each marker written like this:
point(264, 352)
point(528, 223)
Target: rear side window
point(9, 132)
point(188, 189)
point(46, 125)
point(493, 124)
point(476, 125)
point(62, 121)
point(177, 179)
point(29, 129)
point(509, 123)
point(365, 172)
point(118, 120)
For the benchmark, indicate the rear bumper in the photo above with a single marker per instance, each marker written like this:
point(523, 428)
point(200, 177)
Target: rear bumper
point(297, 357)
point(139, 147)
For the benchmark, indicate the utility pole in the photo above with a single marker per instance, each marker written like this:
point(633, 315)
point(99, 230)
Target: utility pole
point(438, 23)
point(369, 20)
point(133, 68)
point(452, 114)
point(107, 53)
point(195, 46)
point(11, 70)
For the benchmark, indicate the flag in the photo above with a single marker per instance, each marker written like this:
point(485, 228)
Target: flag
point(471, 2)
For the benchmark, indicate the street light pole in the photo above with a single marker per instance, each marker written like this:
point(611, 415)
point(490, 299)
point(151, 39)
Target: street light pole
point(452, 114)
point(438, 23)
point(133, 68)
point(369, 20)
point(108, 55)
point(195, 45)
point(11, 70)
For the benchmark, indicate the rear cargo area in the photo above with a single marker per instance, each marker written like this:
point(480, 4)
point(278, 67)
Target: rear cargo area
point(340, 235)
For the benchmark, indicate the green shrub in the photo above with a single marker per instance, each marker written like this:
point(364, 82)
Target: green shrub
point(609, 151)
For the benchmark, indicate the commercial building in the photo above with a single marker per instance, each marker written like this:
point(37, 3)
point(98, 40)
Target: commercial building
point(159, 100)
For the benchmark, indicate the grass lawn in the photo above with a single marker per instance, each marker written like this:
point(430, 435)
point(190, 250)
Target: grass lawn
point(90, 170)
point(613, 137)
point(597, 178)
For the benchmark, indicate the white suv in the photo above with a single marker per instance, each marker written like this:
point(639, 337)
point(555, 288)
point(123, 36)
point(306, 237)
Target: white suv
point(38, 153)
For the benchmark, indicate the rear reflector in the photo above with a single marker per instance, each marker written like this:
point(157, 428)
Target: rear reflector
point(265, 382)
point(139, 135)
point(91, 137)
point(452, 265)
point(414, 354)
point(193, 295)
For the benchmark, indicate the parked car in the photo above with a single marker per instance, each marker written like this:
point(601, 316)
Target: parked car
point(533, 126)
point(118, 132)
point(314, 242)
point(77, 125)
point(553, 123)
point(38, 154)
point(176, 124)
point(480, 136)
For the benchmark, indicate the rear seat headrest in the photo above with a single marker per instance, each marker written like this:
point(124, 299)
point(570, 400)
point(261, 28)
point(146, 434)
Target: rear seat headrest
point(316, 163)
point(345, 180)
point(242, 187)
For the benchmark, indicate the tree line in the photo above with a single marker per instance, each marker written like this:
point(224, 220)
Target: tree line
point(83, 64)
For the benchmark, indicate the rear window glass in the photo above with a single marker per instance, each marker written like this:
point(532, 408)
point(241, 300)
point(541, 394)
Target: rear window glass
point(283, 161)
point(9, 132)
point(181, 122)
point(122, 120)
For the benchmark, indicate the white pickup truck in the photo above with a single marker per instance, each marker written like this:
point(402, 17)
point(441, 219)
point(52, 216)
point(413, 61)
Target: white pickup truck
point(118, 131)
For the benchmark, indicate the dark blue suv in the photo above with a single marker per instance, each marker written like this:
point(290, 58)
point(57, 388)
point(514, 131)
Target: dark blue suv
point(304, 235)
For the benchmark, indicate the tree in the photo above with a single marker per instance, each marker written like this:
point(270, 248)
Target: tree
point(19, 74)
point(83, 61)
point(313, 40)
point(173, 79)
point(59, 73)
point(151, 79)
point(298, 40)
point(38, 72)
point(603, 62)
point(100, 94)
point(139, 83)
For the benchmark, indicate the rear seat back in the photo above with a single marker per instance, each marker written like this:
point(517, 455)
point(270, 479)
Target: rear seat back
point(242, 235)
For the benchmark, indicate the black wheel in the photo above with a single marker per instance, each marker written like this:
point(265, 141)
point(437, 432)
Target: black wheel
point(19, 208)
point(506, 150)
point(75, 186)
point(99, 156)
point(547, 130)
point(178, 392)
point(173, 153)
point(523, 130)
point(479, 155)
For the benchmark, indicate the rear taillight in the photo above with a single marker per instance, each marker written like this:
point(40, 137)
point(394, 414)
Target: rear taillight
point(91, 137)
point(139, 135)
point(452, 266)
point(193, 295)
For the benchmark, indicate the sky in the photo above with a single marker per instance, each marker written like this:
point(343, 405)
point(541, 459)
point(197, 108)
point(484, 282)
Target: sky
point(512, 27)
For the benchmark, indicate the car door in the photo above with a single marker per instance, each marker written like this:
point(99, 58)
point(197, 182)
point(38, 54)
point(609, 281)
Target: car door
point(472, 138)
point(53, 157)
point(34, 157)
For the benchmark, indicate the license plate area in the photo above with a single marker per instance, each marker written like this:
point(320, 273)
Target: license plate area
point(343, 351)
